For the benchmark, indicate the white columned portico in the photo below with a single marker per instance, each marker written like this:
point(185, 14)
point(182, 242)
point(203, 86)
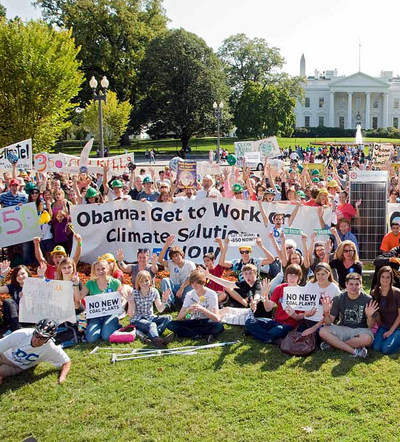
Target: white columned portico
point(385, 109)
point(332, 110)
point(349, 109)
point(368, 111)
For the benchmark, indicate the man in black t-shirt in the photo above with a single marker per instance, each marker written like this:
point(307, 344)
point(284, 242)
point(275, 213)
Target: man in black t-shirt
point(356, 312)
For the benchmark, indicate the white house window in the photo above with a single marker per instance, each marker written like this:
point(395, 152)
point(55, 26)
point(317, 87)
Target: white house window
point(320, 121)
point(341, 122)
point(396, 103)
point(396, 122)
point(376, 104)
point(307, 102)
point(321, 102)
point(374, 122)
point(306, 121)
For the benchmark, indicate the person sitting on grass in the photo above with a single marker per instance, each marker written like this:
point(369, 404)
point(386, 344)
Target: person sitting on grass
point(387, 338)
point(216, 270)
point(143, 263)
point(140, 310)
point(356, 313)
point(199, 315)
point(179, 269)
point(27, 347)
point(271, 331)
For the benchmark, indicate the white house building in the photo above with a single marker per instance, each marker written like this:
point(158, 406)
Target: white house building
point(340, 101)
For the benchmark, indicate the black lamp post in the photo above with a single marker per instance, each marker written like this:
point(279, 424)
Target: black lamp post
point(218, 107)
point(100, 97)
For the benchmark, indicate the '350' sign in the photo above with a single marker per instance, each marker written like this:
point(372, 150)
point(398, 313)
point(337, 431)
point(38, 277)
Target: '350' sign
point(18, 224)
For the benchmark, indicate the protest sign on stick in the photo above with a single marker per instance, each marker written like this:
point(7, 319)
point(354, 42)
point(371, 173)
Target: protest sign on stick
point(186, 175)
point(242, 239)
point(43, 298)
point(105, 304)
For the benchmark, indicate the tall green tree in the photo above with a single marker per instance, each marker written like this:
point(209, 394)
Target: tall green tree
point(264, 111)
point(181, 77)
point(3, 11)
point(113, 35)
point(39, 76)
point(115, 118)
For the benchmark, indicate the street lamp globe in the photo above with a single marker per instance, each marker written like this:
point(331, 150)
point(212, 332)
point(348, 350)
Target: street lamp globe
point(104, 82)
point(93, 83)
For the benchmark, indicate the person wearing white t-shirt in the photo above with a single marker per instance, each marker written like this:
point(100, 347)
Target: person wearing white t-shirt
point(179, 270)
point(199, 315)
point(27, 347)
point(325, 285)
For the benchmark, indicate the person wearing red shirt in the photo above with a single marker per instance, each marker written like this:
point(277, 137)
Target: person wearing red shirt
point(270, 331)
point(215, 270)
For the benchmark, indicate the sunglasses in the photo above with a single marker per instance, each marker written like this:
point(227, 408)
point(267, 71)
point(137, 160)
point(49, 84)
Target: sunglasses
point(349, 251)
point(289, 247)
point(35, 192)
point(244, 252)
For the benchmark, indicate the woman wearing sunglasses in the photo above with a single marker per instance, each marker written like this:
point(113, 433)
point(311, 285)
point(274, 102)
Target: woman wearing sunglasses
point(346, 261)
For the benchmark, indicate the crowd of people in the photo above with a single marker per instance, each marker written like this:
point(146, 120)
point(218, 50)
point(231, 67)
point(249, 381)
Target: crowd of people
point(197, 300)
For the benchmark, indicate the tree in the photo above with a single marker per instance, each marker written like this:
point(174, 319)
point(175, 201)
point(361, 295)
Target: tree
point(181, 77)
point(264, 111)
point(3, 11)
point(113, 35)
point(248, 60)
point(115, 119)
point(39, 75)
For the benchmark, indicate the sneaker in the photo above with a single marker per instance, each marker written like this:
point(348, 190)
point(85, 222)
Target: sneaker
point(360, 353)
point(210, 339)
point(158, 342)
point(168, 339)
point(324, 345)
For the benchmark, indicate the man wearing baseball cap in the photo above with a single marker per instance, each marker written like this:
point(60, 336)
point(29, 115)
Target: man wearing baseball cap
point(148, 194)
point(13, 197)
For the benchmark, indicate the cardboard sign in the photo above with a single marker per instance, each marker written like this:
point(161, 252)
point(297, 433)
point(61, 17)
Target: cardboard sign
point(106, 304)
point(252, 159)
point(268, 148)
point(44, 298)
point(300, 298)
point(186, 175)
point(21, 151)
point(322, 232)
point(289, 231)
point(242, 239)
point(382, 153)
point(19, 224)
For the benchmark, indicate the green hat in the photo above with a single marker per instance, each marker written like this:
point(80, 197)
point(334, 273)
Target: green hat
point(231, 159)
point(29, 187)
point(290, 170)
point(315, 172)
point(147, 179)
point(91, 192)
point(315, 180)
point(117, 183)
point(237, 188)
point(301, 194)
point(300, 167)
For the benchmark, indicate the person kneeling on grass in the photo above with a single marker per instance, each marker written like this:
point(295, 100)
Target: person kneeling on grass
point(140, 309)
point(199, 315)
point(271, 331)
point(356, 311)
point(27, 347)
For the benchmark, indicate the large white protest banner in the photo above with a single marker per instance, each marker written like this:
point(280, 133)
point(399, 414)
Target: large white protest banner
point(45, 298)
point(196, 224)
point(106, 304)
point(18, 224)
point(21, 151)
point(60, 162)
point(300, 298)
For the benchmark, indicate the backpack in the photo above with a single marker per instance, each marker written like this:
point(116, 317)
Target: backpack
point(67, 335)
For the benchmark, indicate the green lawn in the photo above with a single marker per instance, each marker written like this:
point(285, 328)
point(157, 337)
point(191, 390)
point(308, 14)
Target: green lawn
point(244, 393)
point(172, 146)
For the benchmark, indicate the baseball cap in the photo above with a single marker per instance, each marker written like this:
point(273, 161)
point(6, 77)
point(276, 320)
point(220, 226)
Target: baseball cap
point(147, 179)
point(14, 181)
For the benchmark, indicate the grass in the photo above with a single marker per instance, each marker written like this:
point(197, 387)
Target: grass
point(199, 145)
point(242, 393)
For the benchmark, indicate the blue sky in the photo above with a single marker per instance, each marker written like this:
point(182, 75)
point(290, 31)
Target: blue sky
point(328, 33)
